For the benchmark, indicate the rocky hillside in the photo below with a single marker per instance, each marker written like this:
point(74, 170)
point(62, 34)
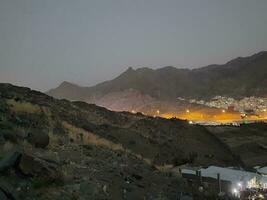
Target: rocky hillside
point(56, 149)
point(248, 141)
point(244, 76)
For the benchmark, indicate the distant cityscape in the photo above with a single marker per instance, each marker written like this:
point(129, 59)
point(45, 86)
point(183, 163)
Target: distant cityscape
point(247, 105)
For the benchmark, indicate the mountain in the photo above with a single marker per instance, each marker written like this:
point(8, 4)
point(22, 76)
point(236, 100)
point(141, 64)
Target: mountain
point(57, 149)
point(243, 76)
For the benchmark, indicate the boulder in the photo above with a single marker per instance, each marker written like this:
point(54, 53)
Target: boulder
point(89, 189)
point(37, 167)
point(9, 161)
point(2, 139)
point(38, 139)
point(7, 192)
point(9, 135)
point(3, 195)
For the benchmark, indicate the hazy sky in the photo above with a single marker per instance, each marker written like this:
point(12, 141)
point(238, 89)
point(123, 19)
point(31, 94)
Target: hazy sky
point(43, 42)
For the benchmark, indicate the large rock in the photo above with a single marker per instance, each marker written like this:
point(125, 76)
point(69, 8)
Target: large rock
point(38, 139)
point(40, 168)
point(7, 192)
point(9, 135)
point(88, 189)
point(3, 195)
point(2, 139)
point(9, 161)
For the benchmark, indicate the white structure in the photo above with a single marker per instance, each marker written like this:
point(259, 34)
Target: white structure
point(238, 178)
point(262, 171)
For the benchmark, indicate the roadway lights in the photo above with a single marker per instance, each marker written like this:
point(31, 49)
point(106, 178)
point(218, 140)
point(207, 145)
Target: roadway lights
point(239, 184)
point(188, 111)
point(223, 111)
point(158, 112)
point(235, 192)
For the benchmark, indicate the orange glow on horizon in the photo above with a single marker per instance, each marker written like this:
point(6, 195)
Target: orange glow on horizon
point(212, 116)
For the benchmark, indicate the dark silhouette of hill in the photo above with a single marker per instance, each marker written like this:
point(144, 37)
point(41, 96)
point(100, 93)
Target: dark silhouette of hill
point(243, 76)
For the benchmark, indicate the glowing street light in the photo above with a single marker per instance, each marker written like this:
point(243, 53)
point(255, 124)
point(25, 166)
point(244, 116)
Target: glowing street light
point(240, 185)
point(158, 112)
point(188, 111)
point(223, 111)
point(235, 192)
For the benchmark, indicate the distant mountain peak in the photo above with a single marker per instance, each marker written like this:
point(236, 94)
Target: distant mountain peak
point(66, 84)
point(241, 60)
point(243, 76)
point(169, 68)
point(130, 69)
point(129, 72)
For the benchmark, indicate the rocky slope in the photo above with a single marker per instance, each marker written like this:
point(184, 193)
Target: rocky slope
point(56, 149)
point(248, 141)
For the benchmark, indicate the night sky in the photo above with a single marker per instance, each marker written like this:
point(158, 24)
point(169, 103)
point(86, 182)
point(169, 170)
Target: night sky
point(44, 42)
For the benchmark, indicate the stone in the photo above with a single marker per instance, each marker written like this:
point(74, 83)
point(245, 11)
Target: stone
point(9, 161)
point(38, 139)
point(36, 167)
point(9, 135)
point(89, 189)
point(7, 192)
point(3, 196)
point(2, 139)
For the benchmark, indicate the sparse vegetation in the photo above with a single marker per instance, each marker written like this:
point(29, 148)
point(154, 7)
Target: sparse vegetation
point(26, 107)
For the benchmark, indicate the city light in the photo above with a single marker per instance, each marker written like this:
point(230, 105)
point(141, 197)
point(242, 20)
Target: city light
point(235, 191)
point(223, 111)
point(158, 112)
point(188, 111)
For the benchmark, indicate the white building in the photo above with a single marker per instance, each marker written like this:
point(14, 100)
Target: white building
point(237, 177)
point(262, 171)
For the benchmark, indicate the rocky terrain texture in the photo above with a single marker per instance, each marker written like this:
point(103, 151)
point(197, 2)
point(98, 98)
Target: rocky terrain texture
point(248, 141)
point(243, 76)
point(57, 149)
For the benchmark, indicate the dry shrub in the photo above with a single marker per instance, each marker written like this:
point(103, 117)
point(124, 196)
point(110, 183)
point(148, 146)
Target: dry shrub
point(23, 107)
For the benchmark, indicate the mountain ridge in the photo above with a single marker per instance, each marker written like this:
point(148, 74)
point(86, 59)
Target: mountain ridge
point(230, 79)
